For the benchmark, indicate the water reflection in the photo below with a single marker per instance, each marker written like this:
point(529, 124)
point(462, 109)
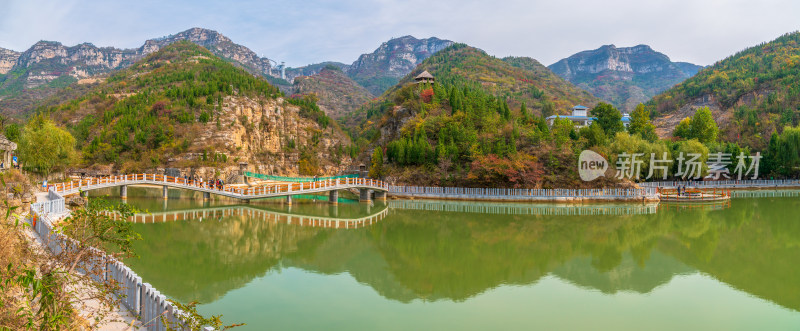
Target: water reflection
point(455, 251)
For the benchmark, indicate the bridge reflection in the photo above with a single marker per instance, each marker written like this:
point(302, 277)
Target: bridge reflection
point(275, 217)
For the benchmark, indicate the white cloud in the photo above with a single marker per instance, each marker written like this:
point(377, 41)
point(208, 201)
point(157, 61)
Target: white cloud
point(302, 32)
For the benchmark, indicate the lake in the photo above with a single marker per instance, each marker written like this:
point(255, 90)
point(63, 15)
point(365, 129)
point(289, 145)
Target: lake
point(458, 265)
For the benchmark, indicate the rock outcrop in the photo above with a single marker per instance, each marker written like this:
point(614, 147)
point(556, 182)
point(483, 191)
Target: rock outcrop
point(8, 59)
point(393, 59)
point(624, 76)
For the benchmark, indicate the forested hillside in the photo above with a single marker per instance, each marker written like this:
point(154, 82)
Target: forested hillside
point(183, 106)
point(480, 124)
point(337, 94)
point(752, 94)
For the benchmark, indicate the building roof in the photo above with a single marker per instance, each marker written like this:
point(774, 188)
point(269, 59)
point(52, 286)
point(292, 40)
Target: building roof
point(424, 75)
point(624, 119)
point(580, 107)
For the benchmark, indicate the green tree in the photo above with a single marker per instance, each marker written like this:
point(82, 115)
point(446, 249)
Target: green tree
point(594, 134)
point(12, 132)
point(771, 162)
point(376, 170)
point(704, 128)
point(641, 125)
point(45, 147)
point(523, 112)
point(609, 118)
point(683, 129)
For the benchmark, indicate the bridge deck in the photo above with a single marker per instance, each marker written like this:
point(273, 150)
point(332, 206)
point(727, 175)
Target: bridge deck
point(244, 193)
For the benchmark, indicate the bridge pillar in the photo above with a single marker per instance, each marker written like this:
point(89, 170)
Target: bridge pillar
point(206, 196)
point(123, 192)
point(165, 192)
point(363, 195)
point(380, 195)
point(333, 197)
point(289, 200)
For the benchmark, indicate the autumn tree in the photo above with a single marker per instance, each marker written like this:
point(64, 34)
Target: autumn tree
point(45, 147)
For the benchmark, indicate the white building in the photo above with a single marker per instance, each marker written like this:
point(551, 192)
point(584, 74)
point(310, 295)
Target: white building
point(581, 118)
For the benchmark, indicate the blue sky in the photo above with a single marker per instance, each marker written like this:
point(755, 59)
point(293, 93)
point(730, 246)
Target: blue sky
point(303, 32)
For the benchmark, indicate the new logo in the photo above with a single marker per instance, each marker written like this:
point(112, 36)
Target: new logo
point(591, 165)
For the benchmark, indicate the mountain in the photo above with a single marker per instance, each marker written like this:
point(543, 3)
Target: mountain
point(516, 80)
point(521, 79)
point(469, 128)
point(751, 94)
point(392, 60)
point(338, 94)
point(48, 66)
point(184, 107)
point(219, 45)
point(8, 59)
point(313, 69)
point(624, 76)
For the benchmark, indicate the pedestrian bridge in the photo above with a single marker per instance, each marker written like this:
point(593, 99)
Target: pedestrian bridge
point(271, 190)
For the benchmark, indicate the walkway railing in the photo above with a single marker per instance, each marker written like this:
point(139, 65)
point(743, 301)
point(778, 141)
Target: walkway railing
point(520, 194)
point(294, 179)
point(53, 205)
point(505, 208)
point(264, 191)
point(142, 299)
point(726, 183)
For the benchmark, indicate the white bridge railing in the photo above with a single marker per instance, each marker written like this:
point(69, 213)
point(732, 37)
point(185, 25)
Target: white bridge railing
point(140, 298)
point(521, 194)
point(263, 191)
point(725, 183)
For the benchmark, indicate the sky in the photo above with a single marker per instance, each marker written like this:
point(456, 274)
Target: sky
point(304, 32)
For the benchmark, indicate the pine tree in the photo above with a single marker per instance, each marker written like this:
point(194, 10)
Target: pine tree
point(376, 170)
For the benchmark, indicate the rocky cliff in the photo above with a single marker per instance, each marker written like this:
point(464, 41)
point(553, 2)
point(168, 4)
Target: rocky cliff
point(624, 76)
point(218, 44)
point(393, 59)
point(184, 107)
point(8, 59)
point(41, 62)
point(47, 66)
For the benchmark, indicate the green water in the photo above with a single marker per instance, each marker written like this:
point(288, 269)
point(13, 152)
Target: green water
point(661, 268)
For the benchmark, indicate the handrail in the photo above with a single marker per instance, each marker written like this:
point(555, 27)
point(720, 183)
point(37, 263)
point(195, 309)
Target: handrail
point(725, 183)
point(266, 190)
point(295, 179)
point(480, 193)
point(142, 299)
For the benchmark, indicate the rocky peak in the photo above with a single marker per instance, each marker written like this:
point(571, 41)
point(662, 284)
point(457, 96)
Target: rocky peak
point(218, 44)
point(392, 60)
point(399, 56)
point(8, 59)
point(624, 76)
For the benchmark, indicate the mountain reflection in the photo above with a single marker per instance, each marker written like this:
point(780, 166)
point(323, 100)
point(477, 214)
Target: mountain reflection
point(421, 253)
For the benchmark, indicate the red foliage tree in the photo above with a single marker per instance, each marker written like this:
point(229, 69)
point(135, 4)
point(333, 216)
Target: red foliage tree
point(426, 95)
point(519, 171)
